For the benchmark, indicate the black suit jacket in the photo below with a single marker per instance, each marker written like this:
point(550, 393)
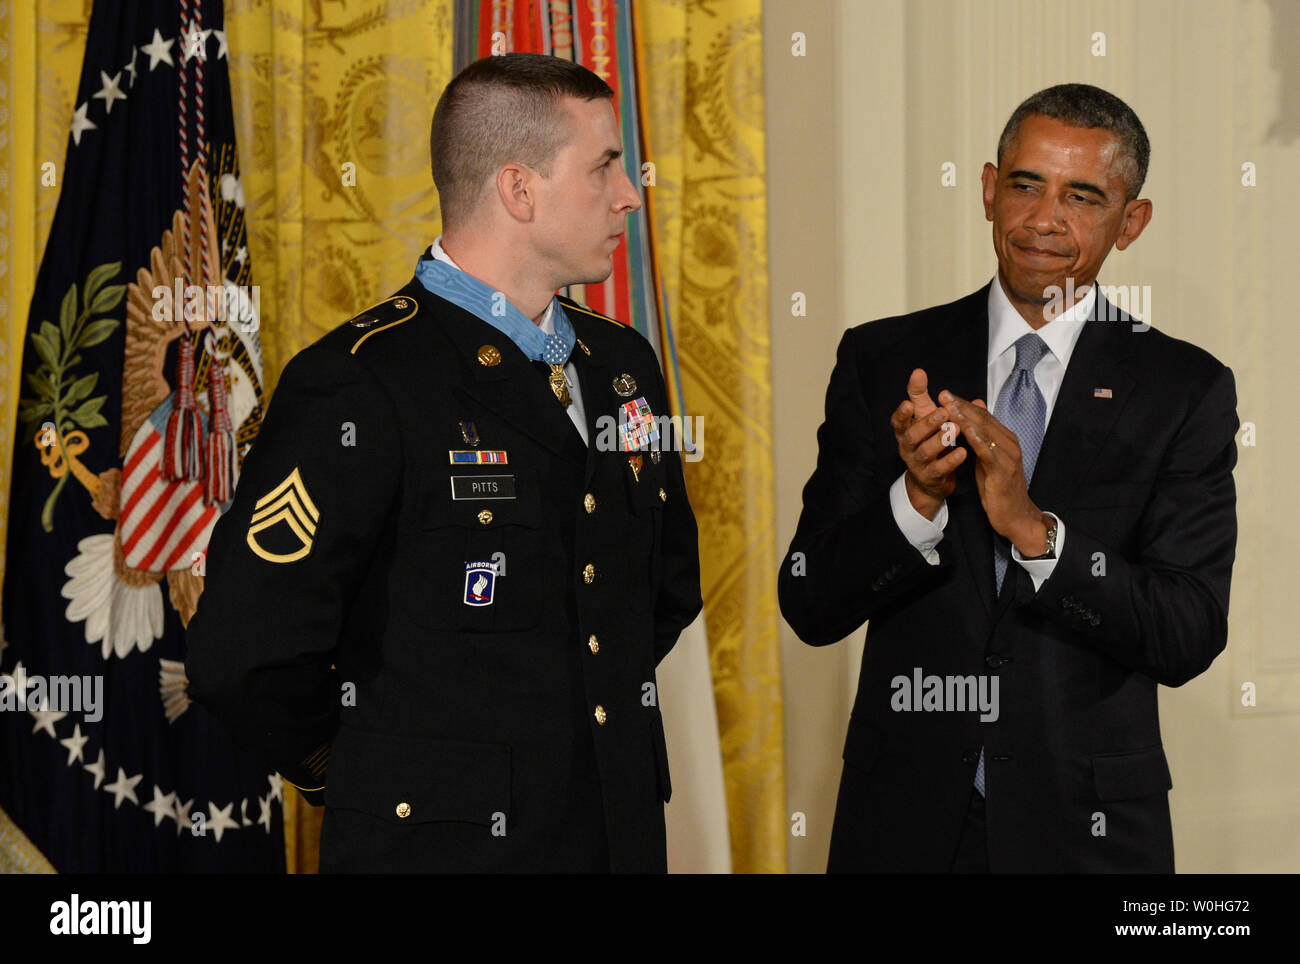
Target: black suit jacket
point(1076, 777)
point(521, 734)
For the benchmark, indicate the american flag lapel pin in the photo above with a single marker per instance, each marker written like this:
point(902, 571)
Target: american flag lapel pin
point(1101, 393)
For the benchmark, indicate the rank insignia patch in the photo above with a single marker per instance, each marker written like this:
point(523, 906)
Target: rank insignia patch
point(284, 522)
point(480, 583)
point(459, 457)
point(636, 426)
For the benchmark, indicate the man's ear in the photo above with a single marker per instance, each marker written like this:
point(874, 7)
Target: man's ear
point(515, 189)
point(989, 178)
point(1137, 215)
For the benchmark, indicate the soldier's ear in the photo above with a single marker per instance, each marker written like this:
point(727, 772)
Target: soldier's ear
point(516, 190)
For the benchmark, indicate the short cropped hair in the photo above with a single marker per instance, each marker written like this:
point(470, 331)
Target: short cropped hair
point(497, 110)
point(1082, 105)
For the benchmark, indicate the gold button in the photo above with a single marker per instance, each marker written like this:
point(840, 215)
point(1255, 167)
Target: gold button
point(589, 503)
point(486, 515)
point(588, 573)
point(601, 715)
point(401, 304)
point(592, 643)
point(403, 810)
point(489, 356)
point(663, 496)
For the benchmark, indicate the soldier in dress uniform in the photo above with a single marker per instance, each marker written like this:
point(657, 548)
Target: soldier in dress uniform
point(451, 569)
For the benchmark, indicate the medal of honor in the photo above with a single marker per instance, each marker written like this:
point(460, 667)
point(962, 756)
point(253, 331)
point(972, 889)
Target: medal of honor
point(555, 352)
point(559, 385)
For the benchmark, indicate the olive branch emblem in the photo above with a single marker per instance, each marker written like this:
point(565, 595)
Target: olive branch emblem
point(60, 402)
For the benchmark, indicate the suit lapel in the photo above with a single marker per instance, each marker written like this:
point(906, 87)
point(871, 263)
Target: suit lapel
point(512, 388)
point(1079, 424)
point(961, 366)
point(1080, 421)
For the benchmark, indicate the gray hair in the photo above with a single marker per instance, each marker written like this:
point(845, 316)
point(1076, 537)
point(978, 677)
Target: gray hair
point(498, 110)
point(1082, 105)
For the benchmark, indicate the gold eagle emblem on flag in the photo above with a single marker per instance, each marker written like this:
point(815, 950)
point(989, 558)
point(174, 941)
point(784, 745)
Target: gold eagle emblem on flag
point(287, 503)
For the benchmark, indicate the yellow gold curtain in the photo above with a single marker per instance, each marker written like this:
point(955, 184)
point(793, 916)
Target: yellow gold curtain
point(704, 70)
point(332, 107)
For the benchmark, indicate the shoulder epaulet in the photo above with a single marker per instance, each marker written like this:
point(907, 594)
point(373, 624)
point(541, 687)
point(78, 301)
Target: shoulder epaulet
point(387, 314)
point(570, 304)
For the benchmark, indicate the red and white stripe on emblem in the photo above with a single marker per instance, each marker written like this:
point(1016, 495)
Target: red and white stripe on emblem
point(163, 523)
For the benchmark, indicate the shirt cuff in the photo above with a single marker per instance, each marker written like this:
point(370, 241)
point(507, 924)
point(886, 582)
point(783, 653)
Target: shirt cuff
point(921, 532)
point(1040, 570)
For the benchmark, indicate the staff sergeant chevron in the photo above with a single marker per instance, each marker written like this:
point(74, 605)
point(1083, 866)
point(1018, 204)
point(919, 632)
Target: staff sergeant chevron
point(290, 504)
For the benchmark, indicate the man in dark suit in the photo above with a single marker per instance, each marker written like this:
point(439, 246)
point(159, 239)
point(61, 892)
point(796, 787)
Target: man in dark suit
point(1026, 591)
point(438, 600)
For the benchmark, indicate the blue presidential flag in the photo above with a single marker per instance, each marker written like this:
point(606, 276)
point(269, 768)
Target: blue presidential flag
point(141, 392)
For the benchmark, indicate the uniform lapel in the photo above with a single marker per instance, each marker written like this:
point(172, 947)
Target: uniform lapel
point(596, 382)
point(512, 388)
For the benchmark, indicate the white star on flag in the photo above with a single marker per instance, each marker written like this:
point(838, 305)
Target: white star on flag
point(264, 807)
point(158, 50)
point(75, 745)
point(97, 768)
point(194, 43)
point(182, 814)
point(122, 788)
point(222, 49)
point(19, 681)
point(110, 91)
point(130, 68)
point(277, 787)
point(45, 720)
point(163, 806)
point(219, 819)
point(80, 124)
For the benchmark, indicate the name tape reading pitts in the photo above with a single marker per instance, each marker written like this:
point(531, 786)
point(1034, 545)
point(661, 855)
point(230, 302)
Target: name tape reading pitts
point(482, 487)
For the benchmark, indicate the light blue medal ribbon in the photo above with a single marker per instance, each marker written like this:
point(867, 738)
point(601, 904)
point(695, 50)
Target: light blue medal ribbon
point(481, 301)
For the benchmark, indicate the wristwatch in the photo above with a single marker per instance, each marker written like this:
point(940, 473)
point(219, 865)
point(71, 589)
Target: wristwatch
point(1051, 540)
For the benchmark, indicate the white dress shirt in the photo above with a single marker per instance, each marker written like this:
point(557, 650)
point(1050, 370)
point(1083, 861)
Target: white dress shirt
point(1006, 326)
point(576, 413)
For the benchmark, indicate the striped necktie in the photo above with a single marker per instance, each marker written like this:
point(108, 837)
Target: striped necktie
point(1022, 409)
